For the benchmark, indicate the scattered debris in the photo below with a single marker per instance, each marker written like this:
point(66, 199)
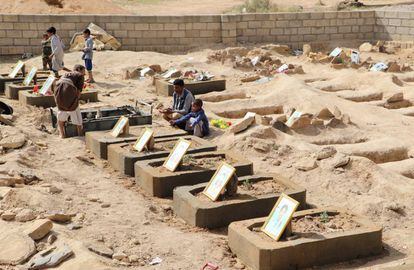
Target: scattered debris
point(101, 250)
point(15, 248)
point(39, 229)
point(340, 160)
point(244, 123)
point(306, 164)
point(155, 261)
point(59, 217)
point(25, 215)
point(325, 153)
point(50, 257)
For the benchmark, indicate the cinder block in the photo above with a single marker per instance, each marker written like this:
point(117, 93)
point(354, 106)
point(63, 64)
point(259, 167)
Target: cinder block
point(307, 23)
point(199, 26)
point(282, 24)
point(318, 30)
point(159, 182)
point(344, 15)
point(14, 33)
point(344, 29)
point(201, 212)
point(306, 30)
point(21, 41)
point(260, 252)
point(99, 141)
point(317, 15)
point(122, 158)
point(10, 18)
point(395, 22)
point(331, 30)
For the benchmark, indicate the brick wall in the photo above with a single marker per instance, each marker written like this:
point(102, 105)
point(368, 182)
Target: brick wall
point(22, 33)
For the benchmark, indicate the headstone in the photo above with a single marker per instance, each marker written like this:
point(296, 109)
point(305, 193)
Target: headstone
point(16, 69)
point(30, 76)
point(143, 141)
point(280, 216)
point(219, 181)
point(121, 127)
point(47, 85)
point(177, 154)
point(244, 123)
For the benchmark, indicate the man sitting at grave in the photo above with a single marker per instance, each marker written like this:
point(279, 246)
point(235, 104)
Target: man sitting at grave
point(195, 122)
point(67, 94)
point(182, 99)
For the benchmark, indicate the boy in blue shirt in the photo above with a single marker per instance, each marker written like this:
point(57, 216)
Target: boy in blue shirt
point(88, 54)
point(195, 122)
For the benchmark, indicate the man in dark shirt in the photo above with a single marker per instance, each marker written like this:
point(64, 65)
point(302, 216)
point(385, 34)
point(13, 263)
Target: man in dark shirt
point(67, 94)
point(182, 99)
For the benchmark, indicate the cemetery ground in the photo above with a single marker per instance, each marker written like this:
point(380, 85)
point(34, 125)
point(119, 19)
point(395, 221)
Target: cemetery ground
point(369, 174)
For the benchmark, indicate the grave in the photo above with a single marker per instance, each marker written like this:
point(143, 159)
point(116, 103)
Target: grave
point(105, 118)
point(312, 243)
point(4, 79)
point(99, 141)
point(256, 196)
point(13, 89)
point(122, 156)
point(195, 169)
point(33, 99)
point(165, 88)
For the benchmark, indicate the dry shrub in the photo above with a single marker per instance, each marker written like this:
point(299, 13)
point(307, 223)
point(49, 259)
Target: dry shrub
point(55, 3)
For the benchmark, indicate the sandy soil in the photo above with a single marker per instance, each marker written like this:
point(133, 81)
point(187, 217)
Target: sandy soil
point(168, 7)
point(146, 227)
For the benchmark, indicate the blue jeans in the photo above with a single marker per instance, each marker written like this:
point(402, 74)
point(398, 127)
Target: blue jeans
point(88, 64)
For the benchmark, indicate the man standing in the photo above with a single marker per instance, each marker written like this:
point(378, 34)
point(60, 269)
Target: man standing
point(182, 100)
point(88, 53)
point(67, 94)
point(57, 51)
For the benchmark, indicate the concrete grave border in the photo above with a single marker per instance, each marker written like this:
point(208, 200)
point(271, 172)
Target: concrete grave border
point(123, 160)
point(99, 141)
point(260, 253)
point(208, 214)
point(28, 98)
point(162, 184)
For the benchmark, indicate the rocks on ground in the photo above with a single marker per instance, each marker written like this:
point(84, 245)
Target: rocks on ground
point(16, 248)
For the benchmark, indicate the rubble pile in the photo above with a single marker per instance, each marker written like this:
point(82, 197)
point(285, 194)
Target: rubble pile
point(262, 61)
point(292, 119)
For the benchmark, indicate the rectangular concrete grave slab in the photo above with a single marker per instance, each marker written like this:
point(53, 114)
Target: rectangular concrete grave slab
point(160, 182)
point(108, 119)
point(260, 252)
point(29, 98)
point(99, 141)
point(4, 78)
point(122, 158)
point(164, 88)
point(202, 212)
point(13, 89)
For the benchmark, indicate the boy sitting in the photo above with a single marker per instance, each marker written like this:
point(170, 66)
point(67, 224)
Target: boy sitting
point(195, 122)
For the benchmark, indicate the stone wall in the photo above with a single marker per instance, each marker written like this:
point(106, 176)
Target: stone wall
point(22, 33)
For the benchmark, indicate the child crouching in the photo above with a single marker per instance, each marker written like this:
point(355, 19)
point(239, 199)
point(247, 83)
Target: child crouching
point(195, 122)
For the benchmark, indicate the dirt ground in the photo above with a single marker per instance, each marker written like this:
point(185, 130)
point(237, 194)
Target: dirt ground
point(377, 182)
point(165, 7)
